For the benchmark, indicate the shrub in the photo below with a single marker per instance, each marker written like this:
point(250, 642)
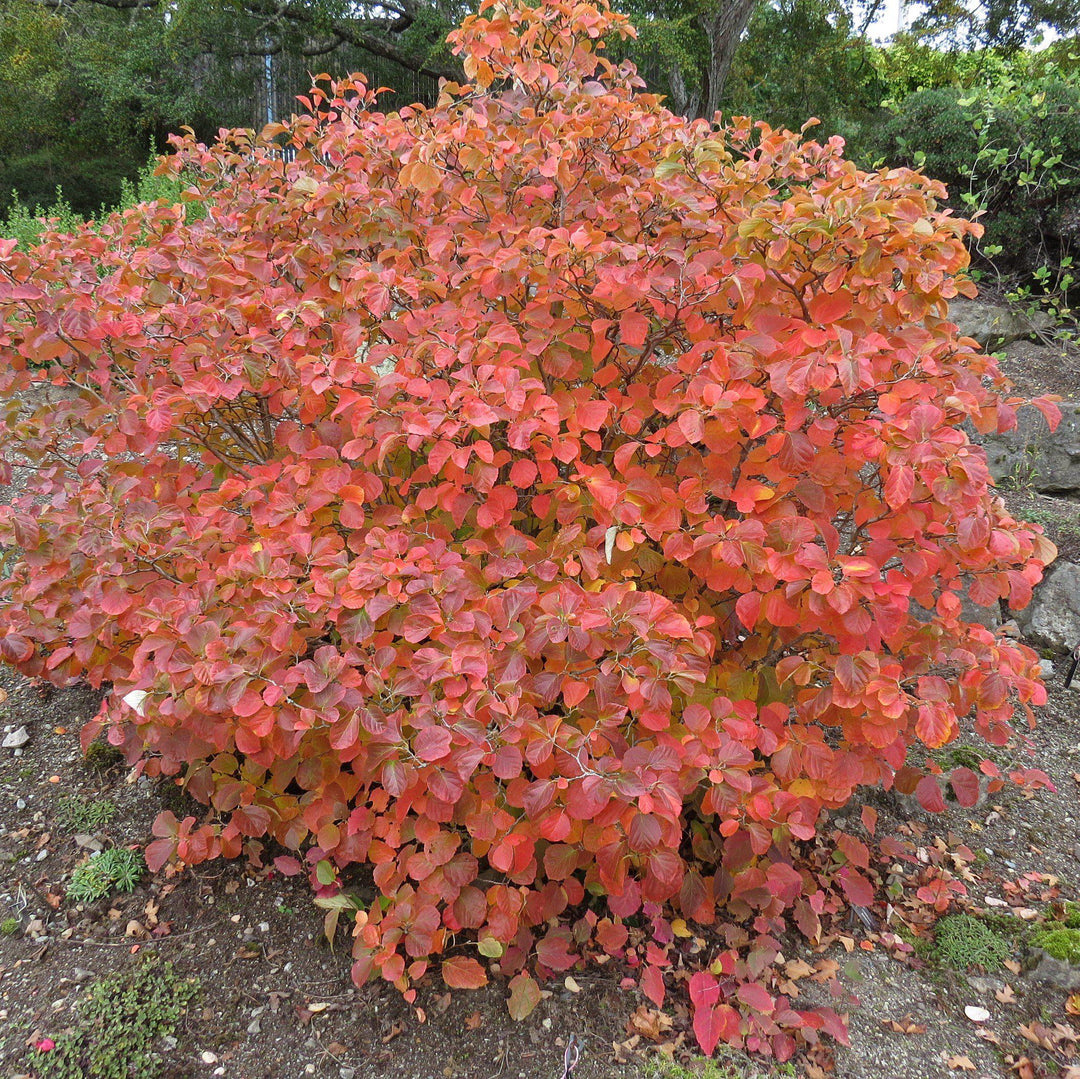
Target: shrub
point(1004, 147)
point(553, 505)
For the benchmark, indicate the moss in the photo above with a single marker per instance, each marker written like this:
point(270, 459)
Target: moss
point(1060, 943)
point(962, 942)
point(1072, 916)
point(101, 756)
point(121, 1020)
point(9, 927)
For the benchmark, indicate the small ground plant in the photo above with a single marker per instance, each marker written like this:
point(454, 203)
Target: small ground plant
point(1059, 942)
point(962, 942)
point(121, 1022)
point(113, 870)
point(77, 814)
point(556, 505)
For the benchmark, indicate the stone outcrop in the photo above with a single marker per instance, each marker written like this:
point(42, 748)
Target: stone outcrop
point(1031, 456)
point(994, 325)
point(1052, 618)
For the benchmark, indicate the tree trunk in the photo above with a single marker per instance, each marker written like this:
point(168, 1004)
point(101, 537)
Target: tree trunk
point(723, 25)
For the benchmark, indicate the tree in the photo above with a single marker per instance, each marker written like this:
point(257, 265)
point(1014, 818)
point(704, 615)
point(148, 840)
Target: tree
point(556, 505)
point(998, 24)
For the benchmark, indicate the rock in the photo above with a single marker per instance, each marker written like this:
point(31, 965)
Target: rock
point(1055, 972)
point(1030, 456)
point(347, 1073)
point(1052, 618)
point(17, 739)
point(995, 324)
point(208, 1058)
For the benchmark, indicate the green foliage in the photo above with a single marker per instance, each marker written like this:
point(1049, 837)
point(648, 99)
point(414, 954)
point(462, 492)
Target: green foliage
point(962, 941)
point(1071, 920)
point(9, 927)
point(121, 1020)
point(1060, 942)
point(77, 814)
point(726, 1063)
point(26, 225)
point(802, 59)
point(1006, 141)
point(117, 869)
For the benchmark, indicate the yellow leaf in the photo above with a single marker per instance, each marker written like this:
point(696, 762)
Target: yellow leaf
point(680, 929)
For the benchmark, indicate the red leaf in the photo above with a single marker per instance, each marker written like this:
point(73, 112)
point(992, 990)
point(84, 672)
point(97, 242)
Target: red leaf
point(965, 785)
point(463, 972)
point(652, 984)
point(928, 792)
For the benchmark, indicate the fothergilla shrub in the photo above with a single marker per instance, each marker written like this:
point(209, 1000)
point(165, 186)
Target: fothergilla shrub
point(552, 504)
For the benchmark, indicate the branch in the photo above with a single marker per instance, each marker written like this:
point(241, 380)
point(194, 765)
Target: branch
point(371, 36)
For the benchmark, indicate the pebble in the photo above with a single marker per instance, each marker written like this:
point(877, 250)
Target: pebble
point(207, 1057)
point(309, 1069)
point(42, 854)
point(264, 927)
point(16, 739)
point(20, 803)
point(347, 1073)
point(255, 1026)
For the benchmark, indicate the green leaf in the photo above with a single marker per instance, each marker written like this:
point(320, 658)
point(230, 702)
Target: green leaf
point(490, 947)
point(325, 873)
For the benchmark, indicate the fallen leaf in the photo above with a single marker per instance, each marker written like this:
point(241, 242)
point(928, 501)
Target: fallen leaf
point(397, 1028)
point(1005, 996)
point(907, 1025)
point(959, 1061)
point(1072, 1004)
point(474, 1021)
point(1012, 966)
point(572, 985)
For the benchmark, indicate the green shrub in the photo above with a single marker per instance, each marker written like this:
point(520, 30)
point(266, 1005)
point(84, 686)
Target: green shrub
point(121, 1020)
point(117, 869)
point(1005, 146)
point(962, 941)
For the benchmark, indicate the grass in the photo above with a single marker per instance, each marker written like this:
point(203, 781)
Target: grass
point(121, 1021)
point(76, 814)
point(112, 870)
